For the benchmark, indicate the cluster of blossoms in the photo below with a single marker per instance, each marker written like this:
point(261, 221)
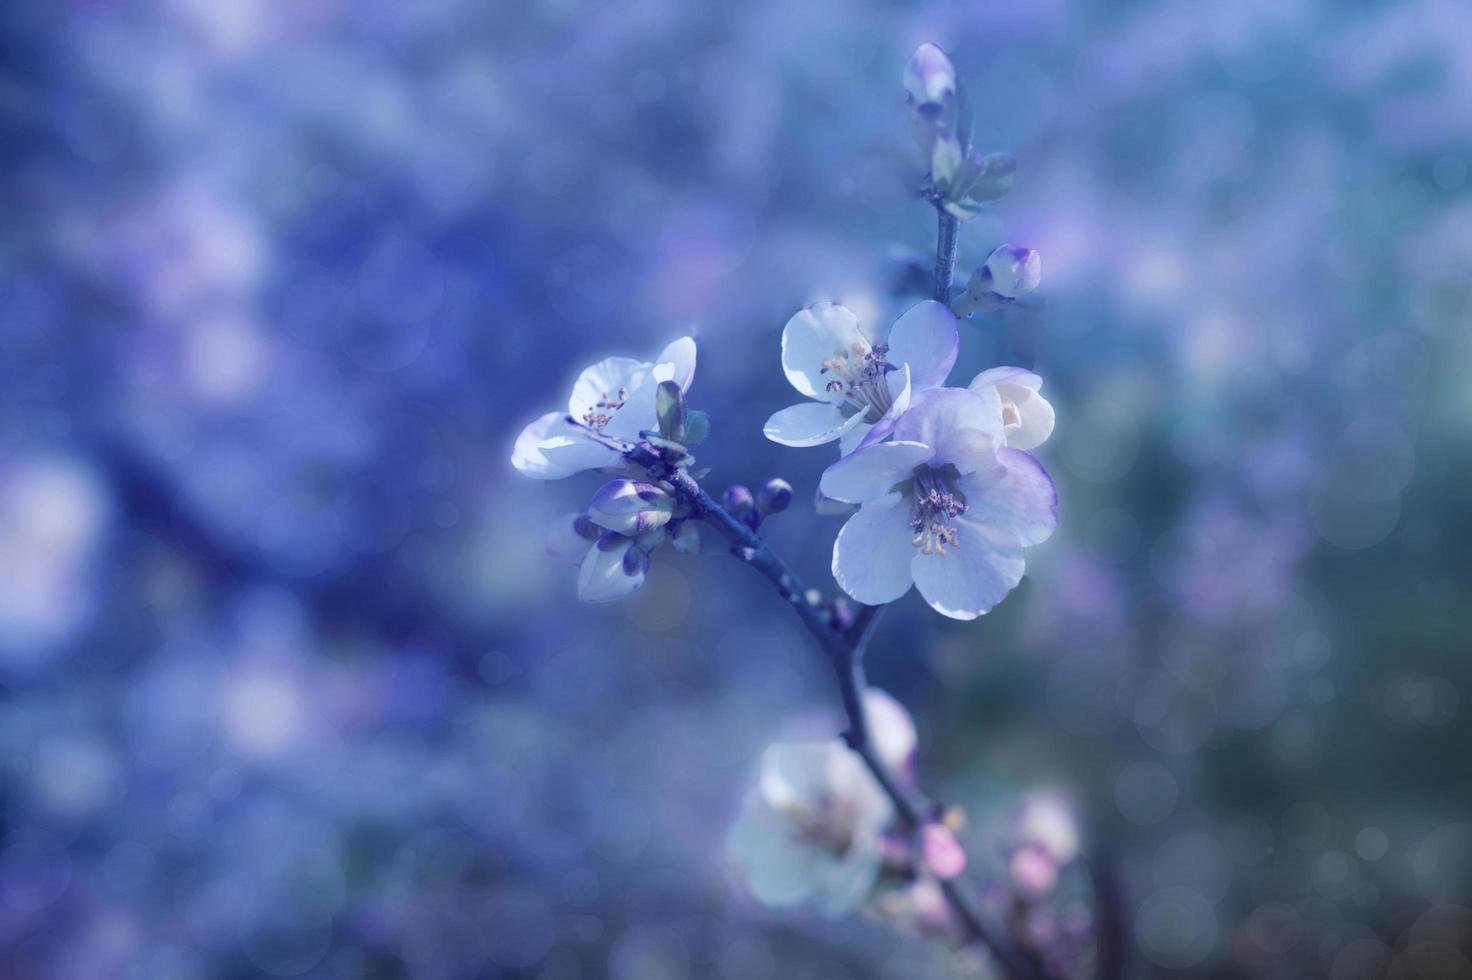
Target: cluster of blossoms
point(940, 492)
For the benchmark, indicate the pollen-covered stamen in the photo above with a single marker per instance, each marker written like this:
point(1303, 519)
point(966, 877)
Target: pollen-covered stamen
point(601, 412)
point(1011, 418)
point(859, 375)
point(936, 502)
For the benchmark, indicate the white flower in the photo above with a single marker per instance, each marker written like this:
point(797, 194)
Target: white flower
point(1027, 418)
point(947, 507)
point(930, 81)
point(615, 396)
point(809, 833)
point(861, 386)
point(630, 507)
point(616, 565)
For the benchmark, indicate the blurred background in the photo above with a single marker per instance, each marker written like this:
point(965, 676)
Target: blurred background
point(289, 688)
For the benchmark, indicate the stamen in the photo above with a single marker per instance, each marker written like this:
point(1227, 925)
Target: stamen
point(859, 375)
point(936, 503)
point(601, 413)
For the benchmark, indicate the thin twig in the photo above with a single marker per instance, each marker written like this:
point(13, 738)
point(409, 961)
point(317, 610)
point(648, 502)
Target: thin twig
point(945, 253)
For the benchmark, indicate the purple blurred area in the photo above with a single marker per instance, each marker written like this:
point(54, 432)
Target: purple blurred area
point(288, 686)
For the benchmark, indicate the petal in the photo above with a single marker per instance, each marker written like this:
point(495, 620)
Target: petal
point(873, 472)
point(851, 441)
point(811, 337)
point(1012, 502)
point(963, 427)
point(891, 728)
point(901, 395)
point(574, 453)
point(995, 376)
point(829, 507)
point(638, 412)
point(601, 383)
point(971, 577)
point(527, 455)
point(871, 556)
point(925, 337)
point(778, 869)
point(809, 424)
point(681, 354)
point(1036, 414)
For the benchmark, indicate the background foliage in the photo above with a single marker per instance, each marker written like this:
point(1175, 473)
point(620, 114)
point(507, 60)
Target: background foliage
point(289, 686)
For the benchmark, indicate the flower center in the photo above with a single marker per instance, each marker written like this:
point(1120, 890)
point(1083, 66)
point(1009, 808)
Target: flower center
point(602, 410)
point(1011, 418)
point(859, 375)
point(936, 502)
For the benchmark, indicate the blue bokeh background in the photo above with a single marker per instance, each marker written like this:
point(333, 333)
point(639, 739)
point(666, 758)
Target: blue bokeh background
point(289, 688)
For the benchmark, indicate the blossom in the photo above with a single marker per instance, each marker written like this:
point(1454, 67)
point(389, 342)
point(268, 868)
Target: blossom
point(616, 396)
point(1027, 417)
point(930, 82)
point(630, 507)
point(861, 386)
point(946, 507)
point(812, 830)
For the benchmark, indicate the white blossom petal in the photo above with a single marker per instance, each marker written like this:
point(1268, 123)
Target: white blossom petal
point(962, 426)
point(638, 412)
point(925, 338)
point(809, 424)
point(602, 382)
point(852, 440)
point(812, 336)
point(574, 453)
point(681, 354)
point(527, 455)
point(570, 537)
point(1012, 502)
point(873, 472)
point(871, 555)
point(971, 577)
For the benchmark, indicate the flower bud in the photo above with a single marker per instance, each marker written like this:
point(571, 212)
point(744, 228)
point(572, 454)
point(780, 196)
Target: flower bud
point(1010, 272)
point(737, 499)
point(943, 854)
point(930, 80)
point(630, 507)
point(613, 568)
point(571, 535)
point(774, 496)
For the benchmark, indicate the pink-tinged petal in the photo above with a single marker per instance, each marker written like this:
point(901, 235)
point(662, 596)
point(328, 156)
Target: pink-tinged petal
point(971, 577)
point(925, 337)
point(1012, 502)
point(901, 395)
point(527, 455)
point(872, 551)
point(602, 382)
point(891, 728)
point(944, 857)
point(681, 354)
point(873, 472)
point(809, 424)
point(812, 336)
point(963, 427)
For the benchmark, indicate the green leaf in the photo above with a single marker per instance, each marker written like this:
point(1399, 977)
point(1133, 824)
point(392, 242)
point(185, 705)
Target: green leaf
point(669, 405)
point(998, 171)
point(963, 210)
point(945, 159)
point(697, 427)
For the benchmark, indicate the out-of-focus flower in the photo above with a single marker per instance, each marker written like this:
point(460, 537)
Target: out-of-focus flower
point(1046, 820)
point(630, 507)
point(1027, 417)
point(1034, 871)
point(861, 386)
point(1009, 273)
point(918, 905)
point(942, 854)
point(809, 833)
point(892, 731)
point(617, 397)
point(947, 507)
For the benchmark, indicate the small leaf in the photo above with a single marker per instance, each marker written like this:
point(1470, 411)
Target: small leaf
point(697, 427)
point(669, 405)
point(963, 210)
point(945, 160)
point(998, 171)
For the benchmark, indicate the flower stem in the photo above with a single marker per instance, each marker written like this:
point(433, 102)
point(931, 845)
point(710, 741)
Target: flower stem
point(945, 254)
